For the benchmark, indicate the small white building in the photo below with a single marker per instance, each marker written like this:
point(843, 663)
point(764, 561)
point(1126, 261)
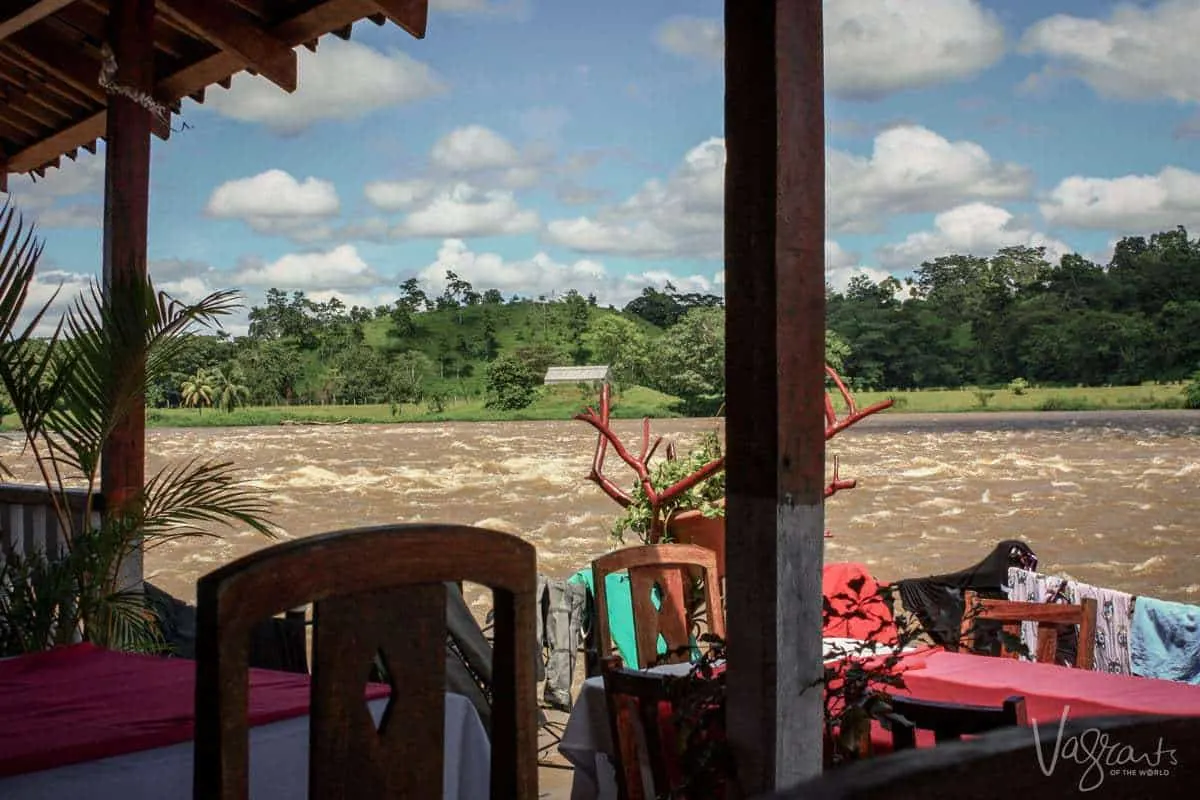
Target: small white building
point(593, 375)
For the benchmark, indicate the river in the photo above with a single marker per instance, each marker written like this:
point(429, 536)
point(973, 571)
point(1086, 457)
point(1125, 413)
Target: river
point(1110, 498)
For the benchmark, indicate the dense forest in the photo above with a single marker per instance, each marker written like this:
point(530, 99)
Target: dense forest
point(957, 321)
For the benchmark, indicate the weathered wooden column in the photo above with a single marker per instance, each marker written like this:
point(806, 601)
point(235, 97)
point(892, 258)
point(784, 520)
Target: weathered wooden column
point(126, 218)
point(775, 353)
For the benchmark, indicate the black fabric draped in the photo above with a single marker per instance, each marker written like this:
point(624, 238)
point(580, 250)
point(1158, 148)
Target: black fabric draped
point(937, 601)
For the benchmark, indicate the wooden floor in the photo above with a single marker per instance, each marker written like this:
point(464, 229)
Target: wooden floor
point(554, 772)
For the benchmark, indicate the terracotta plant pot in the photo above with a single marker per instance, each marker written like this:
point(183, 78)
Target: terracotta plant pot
point(692, 527)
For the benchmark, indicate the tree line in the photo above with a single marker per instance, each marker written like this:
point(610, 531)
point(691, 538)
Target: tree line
point(959, 320)
point(969, 320)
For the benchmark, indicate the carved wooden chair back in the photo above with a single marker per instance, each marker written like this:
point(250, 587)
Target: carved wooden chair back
point(375, 591)
point(642, 738)
point(951, 721)
point(1048, 616)
point(669, 567)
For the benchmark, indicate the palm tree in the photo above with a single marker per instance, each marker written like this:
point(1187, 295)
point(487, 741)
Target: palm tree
point(227, 391)
point(70, 393)
point(197, 391)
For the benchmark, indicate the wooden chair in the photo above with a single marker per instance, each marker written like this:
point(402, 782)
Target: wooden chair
point(375, 590)
point(1047, 615)
point(641, 742)
point(951, 721)
point(667, 566)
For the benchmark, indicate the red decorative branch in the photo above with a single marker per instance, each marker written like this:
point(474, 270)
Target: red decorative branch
point(640, 464)
point(833, 425)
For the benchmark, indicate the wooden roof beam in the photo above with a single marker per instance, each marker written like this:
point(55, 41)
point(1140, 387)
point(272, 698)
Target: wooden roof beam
point(61, 58)
point(36, 12)
point(412, 15)
point(237, 32)
point(216, 68)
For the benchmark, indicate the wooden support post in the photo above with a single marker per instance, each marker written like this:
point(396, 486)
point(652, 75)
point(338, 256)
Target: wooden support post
point(775, 355)
point(126, 216)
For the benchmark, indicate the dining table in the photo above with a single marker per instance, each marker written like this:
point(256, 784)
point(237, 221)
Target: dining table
point(82, 721)
point(1052, 693)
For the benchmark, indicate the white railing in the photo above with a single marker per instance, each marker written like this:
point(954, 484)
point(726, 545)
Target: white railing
point(29, 523)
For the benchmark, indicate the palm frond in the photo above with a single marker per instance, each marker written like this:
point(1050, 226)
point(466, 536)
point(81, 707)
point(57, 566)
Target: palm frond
point(180, 499)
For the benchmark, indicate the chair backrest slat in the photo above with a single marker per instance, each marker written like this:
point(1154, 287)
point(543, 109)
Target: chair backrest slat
point(670, 567)
point(1048, 616)
point(374, 590)
point(951, 721)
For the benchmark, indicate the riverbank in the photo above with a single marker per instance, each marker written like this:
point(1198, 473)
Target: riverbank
point(562, 402)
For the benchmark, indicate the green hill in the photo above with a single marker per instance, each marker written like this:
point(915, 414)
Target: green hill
point(468, 356)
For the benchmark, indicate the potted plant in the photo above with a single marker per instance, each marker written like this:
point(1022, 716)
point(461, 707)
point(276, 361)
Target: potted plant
point(70, 392)
point(682, 499)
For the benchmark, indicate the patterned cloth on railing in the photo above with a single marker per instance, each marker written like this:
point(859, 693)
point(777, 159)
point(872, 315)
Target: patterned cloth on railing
point(1114, 614)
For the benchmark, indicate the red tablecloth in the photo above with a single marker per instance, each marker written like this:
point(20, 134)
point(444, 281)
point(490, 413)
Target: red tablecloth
point(82, 703)
point(1048, 689)
point(947, 677)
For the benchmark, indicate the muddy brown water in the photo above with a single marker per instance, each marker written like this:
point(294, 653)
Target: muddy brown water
point(1109, 498)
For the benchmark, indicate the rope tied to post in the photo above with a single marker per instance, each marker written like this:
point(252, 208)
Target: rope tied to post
point(108, 82)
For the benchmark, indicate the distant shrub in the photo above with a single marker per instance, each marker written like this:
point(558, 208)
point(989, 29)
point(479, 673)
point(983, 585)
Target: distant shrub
point(1191, 392)
point(1060, 403)
point(1018, 386)
point(983, 396)
point(898, 402)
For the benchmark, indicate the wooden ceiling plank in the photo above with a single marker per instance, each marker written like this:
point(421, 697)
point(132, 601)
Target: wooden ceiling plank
point(61, 58)
point(40, 92)
point(34, 13)
point(235, 31)
point(216, 68)
point(412, 15)
point(293, 32)
point(18, 121)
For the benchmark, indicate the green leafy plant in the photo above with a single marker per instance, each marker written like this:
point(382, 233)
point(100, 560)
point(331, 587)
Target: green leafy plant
point(706, 496)
point(1018, 386)
point(1191, 391)
point(71, 391)
point(856, 686)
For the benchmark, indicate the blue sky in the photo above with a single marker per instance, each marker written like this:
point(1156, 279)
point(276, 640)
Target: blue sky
point(540, 145)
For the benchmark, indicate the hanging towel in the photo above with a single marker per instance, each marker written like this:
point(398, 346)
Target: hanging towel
point(1114, 617)
point(1025, 586)
point(1165, 640)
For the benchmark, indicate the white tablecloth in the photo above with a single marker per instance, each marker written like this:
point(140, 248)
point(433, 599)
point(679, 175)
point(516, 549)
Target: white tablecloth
point(278, 765)
point(587, 740)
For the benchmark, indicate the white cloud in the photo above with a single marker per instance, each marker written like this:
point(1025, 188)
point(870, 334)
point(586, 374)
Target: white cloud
point(462, 210)
point(339, 268)
point(346, 80)
point(1146, 202)
point(878, 47)
point(1136, 54)
point(492, 7)
point(466, 191)
point(973, 229)
point(398, 195)
point(275, 203)
point(910, 170)
point(473, 148)
point(681, 216)
point(693, 37)
point(542, 275)
point(68, 197)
